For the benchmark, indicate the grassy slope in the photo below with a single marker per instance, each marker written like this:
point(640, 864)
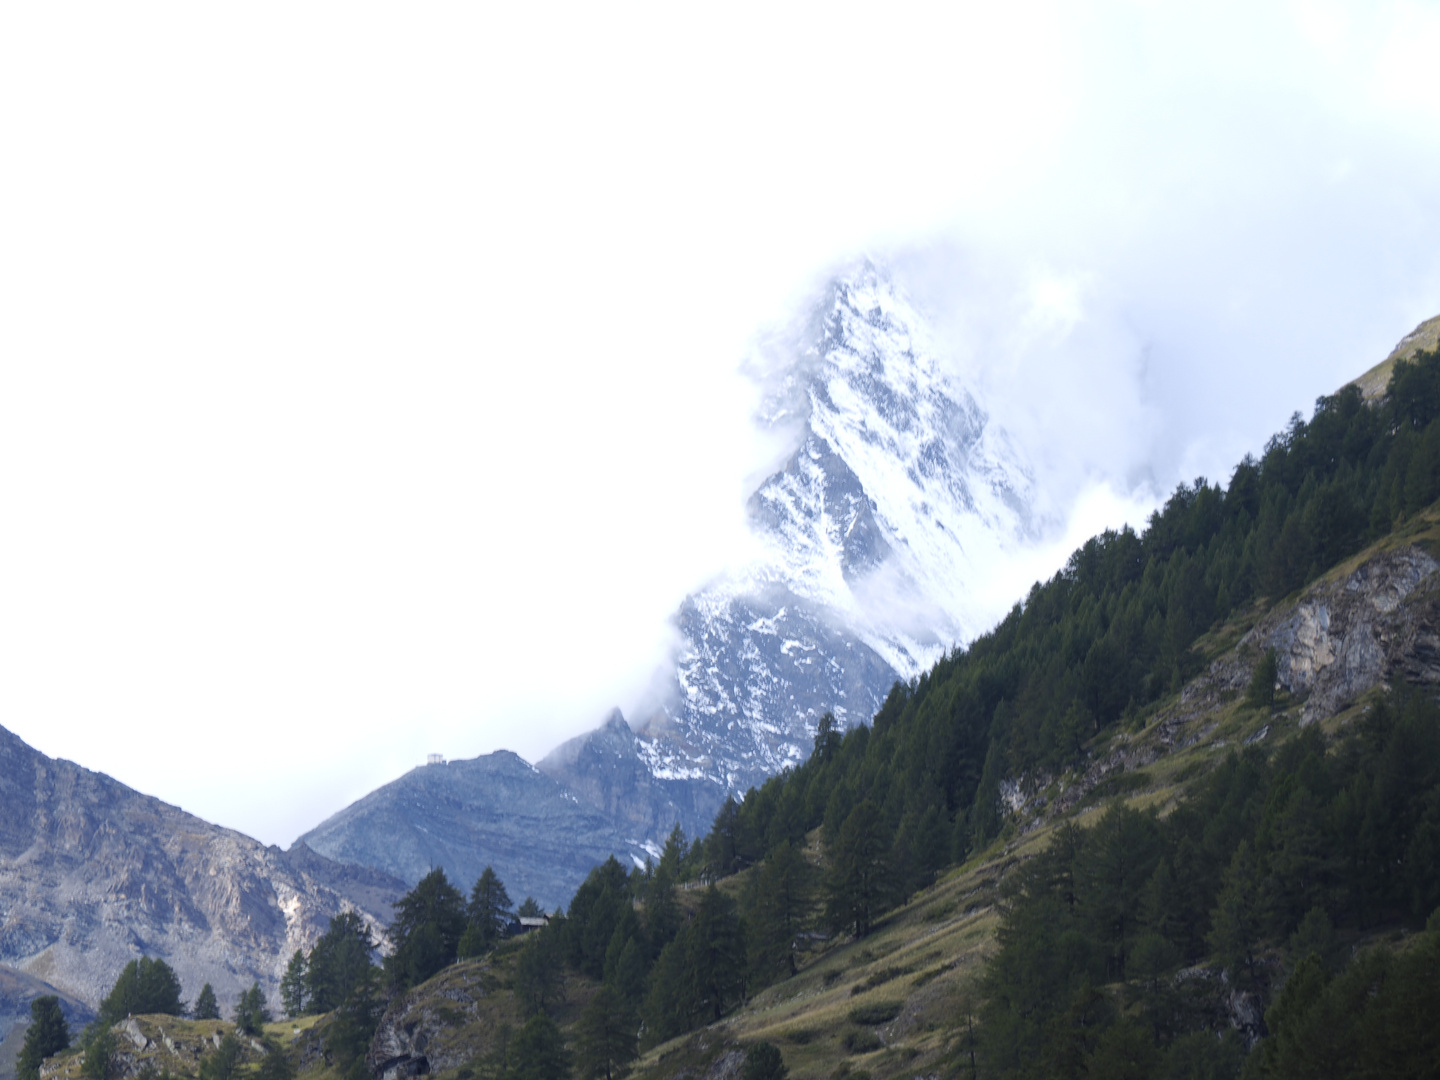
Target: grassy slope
point(1375, 381)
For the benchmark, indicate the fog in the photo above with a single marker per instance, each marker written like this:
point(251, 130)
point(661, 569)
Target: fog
point(370, 379)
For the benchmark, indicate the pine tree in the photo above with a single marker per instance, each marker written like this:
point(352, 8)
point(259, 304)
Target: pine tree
point(145, 986)
point(339, 963)
point(715, 957)
point(429, 921)
point(252, 1011)
point(605, 1036)
point(206, 1007)
point(1261, 692)
point(292, 985)
point(224, 1062)
point(349, 1036)
point(488, 915)
point(1117, 862)
point(275, 1065)
point(763, 1061)
point(99, 1060)
point(47, 1034)
point(1236, 921)
point(539, 971)
point(782, 897)
point(538, 1052)
point(859, 879)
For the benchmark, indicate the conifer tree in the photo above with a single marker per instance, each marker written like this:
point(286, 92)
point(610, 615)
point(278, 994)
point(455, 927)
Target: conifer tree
point(275, 1065)
point(349, 1037)
point(539, 970)
point(47, 1035)
point(860, 872)
point(782, 896)
point(206, 1007)
point(99, 1060)
point(223, 1063)
point(488, 914)
point(429, 921)
point(1236, 921)
point(252, 1011)
point(145, 986)
point(339, 963)
point(538, 1052)
point(293, 984)
point(763, 1061)
point(715, 957)
point(605, 1036)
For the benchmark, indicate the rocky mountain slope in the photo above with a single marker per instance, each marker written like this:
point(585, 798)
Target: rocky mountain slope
point(496, 810)
point(94, 874)
point(893, 498)
point(896, 496)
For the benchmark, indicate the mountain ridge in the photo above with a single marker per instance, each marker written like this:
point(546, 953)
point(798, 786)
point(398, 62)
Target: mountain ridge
point(94, 874)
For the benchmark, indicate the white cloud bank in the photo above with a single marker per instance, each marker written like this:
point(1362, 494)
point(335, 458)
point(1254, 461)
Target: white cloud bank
point(368, 375)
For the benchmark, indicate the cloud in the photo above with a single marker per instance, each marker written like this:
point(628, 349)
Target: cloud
point(370, 381)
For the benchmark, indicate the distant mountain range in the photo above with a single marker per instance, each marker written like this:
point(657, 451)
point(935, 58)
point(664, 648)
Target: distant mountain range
point(895, 495)
point(94, 874)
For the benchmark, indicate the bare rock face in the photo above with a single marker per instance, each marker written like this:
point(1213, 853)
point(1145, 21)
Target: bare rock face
point(94, 874)
point(495, 810)
point(1341, 638)
point(1345, 637)
point(441, 1025)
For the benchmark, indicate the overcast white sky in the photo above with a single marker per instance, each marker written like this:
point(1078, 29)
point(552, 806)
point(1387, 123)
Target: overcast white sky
point(368, 373)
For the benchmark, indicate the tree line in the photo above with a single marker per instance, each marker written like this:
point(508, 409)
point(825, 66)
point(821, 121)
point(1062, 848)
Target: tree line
point(1273, 867)
point(1093, 648)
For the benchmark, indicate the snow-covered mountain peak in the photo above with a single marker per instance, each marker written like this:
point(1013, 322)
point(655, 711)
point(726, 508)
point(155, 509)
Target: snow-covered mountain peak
point(898, 493)
point(892, 499)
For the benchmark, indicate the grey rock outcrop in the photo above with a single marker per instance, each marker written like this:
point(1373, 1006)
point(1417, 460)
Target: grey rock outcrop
point(438, 1027)
point(495, 810)
point(1345, 637)
point(94, 874)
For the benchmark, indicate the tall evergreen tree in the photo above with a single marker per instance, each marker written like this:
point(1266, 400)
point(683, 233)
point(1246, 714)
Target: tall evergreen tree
point(781, 899)
point(859, 881)
point(349, 1037)
point(223, 1063)
point(1236, 923)
point(206, 1007)
point(98, 1062)
point(538, 1052)
point(47, 1035)
point(293, 985)
point(429, 921)
point(339, 963)
point(540, 970)
point(252, 1011)
point(605, 1036)
point(714, 957)
point(147, 985)
point(488, 915)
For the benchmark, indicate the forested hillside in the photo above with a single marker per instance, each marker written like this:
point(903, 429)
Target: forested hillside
point(1103, 640)
point(1124, 834)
